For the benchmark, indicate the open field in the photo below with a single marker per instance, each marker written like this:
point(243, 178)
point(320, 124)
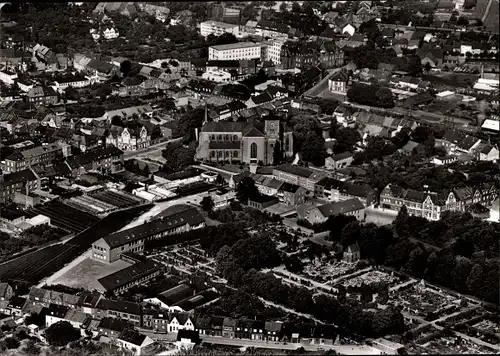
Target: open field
point(86, 273)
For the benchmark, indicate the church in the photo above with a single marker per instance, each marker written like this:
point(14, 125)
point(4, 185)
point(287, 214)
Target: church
point(245, 142)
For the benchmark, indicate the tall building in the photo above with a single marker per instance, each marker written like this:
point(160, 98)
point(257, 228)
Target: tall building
point(487, 12)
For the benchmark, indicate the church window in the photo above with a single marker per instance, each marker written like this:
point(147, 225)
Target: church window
point(253, 150)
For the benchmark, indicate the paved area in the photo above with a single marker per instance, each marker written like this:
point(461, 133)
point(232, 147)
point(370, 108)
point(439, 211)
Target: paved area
point(86, 273)
point(380, 216)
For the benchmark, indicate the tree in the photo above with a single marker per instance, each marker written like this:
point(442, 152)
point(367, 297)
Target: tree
point(226, 38)
point(207, 204)
point(125, 67)
point(383, 294)
point(283, 7)
point(475, 278)
point(246, 189)
point(11, 343)
point(462, 21)
point(295, 7)
point(401, 220)
point(60, 333)
point(428, 66)
point(156, 133)
point(31, 348)
point(117, 121)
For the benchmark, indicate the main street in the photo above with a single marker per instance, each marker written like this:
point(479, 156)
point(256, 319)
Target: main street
point(341, 349)
point(157, 146)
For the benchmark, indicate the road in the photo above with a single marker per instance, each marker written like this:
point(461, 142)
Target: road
point(342, 349)
point(152, 148)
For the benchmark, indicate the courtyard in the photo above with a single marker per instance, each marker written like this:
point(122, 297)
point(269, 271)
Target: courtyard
point(86, 273)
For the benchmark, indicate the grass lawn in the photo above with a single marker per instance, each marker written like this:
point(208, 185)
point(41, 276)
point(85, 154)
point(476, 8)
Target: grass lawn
point(86, 273)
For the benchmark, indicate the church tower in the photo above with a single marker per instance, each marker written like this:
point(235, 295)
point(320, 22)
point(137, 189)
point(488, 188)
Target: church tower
point(272, 128)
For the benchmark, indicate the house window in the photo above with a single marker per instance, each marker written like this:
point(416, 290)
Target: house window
point(235, 154)
point(253, 150)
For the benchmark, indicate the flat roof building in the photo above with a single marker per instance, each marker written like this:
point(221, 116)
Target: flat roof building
point(235, 51)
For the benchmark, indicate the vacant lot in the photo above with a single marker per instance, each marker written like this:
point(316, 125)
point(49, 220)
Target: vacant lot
point(86, 273)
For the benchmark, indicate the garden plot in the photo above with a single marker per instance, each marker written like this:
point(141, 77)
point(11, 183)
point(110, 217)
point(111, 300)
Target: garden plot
point(489, 326)
point(455, 345)
point(322, 272)
point(370, 278)
point(425, 302)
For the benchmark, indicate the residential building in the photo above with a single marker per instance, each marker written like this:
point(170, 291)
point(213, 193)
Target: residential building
point(338, 81)
point(132, 137)
point(119, 309)
point(339, 161)
point(108, 249)
point(488, 153)
point(48, 297)
point(8, 77)
point(113, 327)
point(55, 313)
point(271, 51)
point(134, 341)
point(110, 33)
point(305, 54)
point(25, 181)
point(141, 110)
point(217, 28)
point(321, 213)
point(6, 291)
point(444, 160)
point(128, 277)
point(352, 253)
point(235, 51)
point(21, 160)
point(243, 142)
point(430, 205)
point(104, 158)
point(291, 194)
point(301, 176)
point(39, 95)
point(269, 29)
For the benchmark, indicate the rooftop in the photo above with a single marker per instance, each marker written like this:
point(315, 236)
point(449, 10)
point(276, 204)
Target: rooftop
point(238, 45)
point(341, 207)
point(191, 217)
point(129, 274)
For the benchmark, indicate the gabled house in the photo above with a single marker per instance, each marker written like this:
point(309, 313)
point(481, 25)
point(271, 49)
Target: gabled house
point(352, 253)
point(338, 81)
point(135, 342)
point(130, 138)
point(339, 161)
point(291, 194)
point(319, 214)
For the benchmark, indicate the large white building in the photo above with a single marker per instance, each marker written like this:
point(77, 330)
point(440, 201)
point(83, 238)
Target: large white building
point(217, 28)
point(235, 51)
point(271, 51)
point(8, 77)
